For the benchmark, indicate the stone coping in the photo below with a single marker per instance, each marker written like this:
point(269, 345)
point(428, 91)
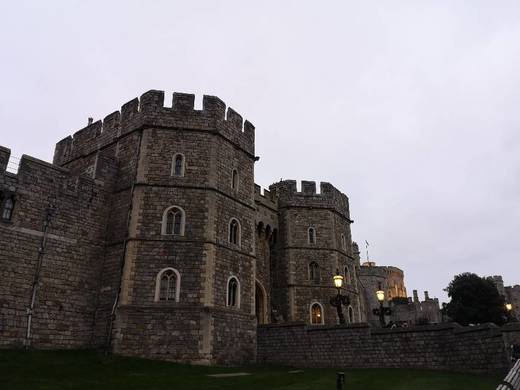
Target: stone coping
point(511, 327)
point(449, 326)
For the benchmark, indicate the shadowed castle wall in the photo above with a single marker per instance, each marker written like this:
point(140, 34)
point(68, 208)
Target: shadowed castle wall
point(72, 253)
point(267, 255)
point(439, 347)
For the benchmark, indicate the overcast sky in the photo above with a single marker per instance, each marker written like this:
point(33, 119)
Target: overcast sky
point(412, 108)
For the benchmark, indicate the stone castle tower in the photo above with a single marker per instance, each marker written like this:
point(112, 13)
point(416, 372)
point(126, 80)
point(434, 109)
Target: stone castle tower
point(315, 233)
point(148, 235)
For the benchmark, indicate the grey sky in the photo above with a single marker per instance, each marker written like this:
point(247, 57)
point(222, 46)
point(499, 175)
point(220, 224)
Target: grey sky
point(409, 107)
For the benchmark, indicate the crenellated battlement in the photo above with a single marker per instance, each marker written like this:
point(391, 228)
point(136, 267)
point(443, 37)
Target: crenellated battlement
point(328, 197)
point(267, 198)
point(379, 270)
point(5, 153)
point(32, 171)
point(149, 111)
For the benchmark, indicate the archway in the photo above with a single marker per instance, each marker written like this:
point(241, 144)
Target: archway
point(260, 301)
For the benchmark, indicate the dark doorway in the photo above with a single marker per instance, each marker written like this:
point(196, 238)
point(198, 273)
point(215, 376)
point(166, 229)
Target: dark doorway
point(259, 304)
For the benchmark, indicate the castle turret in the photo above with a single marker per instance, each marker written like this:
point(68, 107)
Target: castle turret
point(181, 228)
point(315, 231)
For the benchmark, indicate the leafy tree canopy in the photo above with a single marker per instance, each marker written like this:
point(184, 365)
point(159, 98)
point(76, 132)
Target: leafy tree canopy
point(475, 300)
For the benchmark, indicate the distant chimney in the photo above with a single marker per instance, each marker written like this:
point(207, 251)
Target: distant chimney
point(90, 121)
point(426, 297)
point(415, 296)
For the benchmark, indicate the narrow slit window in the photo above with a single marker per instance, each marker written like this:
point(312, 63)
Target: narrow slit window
point(178, 165)
point(350, 314)
point(233, 291)
point(234, 180)
point(312, 235)
point(7, 211)
point(234, 232)
point(314, 272)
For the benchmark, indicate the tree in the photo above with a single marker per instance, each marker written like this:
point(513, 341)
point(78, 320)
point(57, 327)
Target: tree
point(475, 300)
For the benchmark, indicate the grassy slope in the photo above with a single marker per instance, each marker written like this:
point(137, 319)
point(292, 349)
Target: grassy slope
point(89, 370)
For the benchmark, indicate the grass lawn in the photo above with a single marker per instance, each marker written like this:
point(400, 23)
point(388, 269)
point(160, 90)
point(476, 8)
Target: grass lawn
point(37, 370)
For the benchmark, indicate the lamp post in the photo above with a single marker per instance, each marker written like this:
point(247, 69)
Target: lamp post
point(339, 300)
point(381, 311)
point(509, 311)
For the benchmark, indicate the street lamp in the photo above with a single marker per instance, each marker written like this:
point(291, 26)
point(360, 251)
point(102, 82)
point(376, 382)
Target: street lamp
point(381, 311)
point(339, 300)
point(509, 310)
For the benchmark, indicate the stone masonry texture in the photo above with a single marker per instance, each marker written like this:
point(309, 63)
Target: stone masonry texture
point(87, 238)
point(442, 347)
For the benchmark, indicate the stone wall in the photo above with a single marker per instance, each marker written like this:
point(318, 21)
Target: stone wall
point(294, 288)
point(71, 256)
point(266, 251)
point(440, 347)
point(144, 137)
point(110, 184)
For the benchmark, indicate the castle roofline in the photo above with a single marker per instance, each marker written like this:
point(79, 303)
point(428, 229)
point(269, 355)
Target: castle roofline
point(149, 111)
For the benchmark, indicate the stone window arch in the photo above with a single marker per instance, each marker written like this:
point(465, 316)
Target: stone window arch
point(311, 235)
point(173, 221)
point(314, 272)
point(7, 207)
point(233, 292)
point(234, 236)
point(235, 179)
point(260, 303)
point(348, 279)
point(168, 285)
point(316, 314)
point(350, 313)
point(343, 242)
point(178, 165)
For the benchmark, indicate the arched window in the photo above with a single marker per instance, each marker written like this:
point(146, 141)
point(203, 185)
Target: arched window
point(343, 242)
point(233, 292)
point(234, 231)
point(234, 179)
point(260, 303)
point(350, 314)
point(347, 276)
point(173, 221)
point(168, 285)
point(178, 165)
point(314, 272)
point(7, 210)
point(312, 235)
point(316, 314)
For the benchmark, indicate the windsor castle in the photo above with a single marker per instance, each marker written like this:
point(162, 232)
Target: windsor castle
point(148, 236)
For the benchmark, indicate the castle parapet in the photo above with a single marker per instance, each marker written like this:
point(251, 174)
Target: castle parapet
point(32, 170)
point(329, 196)
point(149, 111)
point(5, 153)
point(267, 198)
point(39, 173)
